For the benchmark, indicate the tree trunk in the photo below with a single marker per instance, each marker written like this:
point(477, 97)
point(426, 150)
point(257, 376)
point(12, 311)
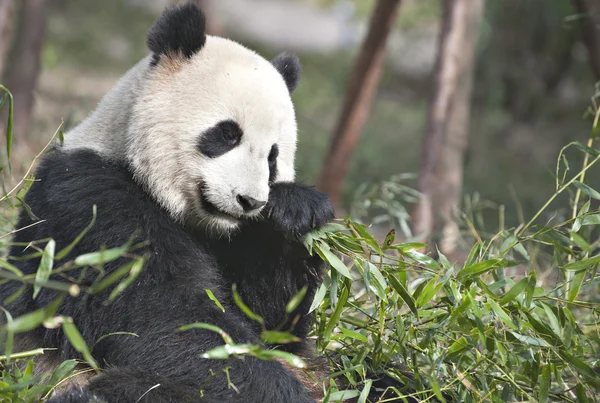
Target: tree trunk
point(590, 24)
point(6, 20)
point(446, 133)
point(25, 66)
point(359, 96)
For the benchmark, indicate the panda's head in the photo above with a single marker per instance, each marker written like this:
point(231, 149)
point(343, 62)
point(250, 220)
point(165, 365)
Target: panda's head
point(213, 125)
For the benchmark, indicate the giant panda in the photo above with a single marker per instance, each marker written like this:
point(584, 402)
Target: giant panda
point(193, 152)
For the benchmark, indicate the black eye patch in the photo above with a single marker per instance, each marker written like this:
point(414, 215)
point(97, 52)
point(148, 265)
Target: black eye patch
point(273, 154)
point(220, 139)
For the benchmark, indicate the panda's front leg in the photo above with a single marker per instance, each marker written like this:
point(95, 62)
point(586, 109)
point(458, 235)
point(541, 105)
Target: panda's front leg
point(293, 211)
point(268, 261)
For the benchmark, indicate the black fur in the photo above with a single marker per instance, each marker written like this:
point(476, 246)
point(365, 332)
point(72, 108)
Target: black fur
point(77, 395)
point(297, 209)
point(272, 159)
point(268, 267)
point(180, 29)
point(289, 66)
point(220, 139)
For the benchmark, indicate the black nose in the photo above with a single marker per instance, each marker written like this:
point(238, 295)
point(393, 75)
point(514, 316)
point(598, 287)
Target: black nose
point(249, 203)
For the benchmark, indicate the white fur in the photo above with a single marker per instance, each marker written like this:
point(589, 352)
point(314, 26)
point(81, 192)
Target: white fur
point(154, 116)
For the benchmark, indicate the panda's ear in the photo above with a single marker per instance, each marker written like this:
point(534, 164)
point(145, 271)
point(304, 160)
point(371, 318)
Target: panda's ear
point(180, 30)
point(288, 66)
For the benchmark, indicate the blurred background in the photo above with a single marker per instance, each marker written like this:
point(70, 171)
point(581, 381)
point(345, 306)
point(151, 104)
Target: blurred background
point(464, 102)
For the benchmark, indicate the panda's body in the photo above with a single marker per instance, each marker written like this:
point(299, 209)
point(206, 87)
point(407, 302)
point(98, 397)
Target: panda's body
point(192, 152)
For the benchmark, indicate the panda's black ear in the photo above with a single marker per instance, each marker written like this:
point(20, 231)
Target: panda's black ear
point(179, 30)
point(288, 66)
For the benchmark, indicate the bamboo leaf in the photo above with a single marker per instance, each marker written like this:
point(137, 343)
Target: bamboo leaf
point(45, 268)
point(214, 299)
point(296, 300)
point(406, 297)
point(77, 341)
point(333, 260)
point(587, 190)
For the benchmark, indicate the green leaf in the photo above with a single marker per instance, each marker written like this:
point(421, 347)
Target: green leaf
point(277, 337)
point(337, 313)
point(366, 237)
point(320, 294)
point(77, 341)
point(377, 283)
point(290, 358)
point(575, 285)
point(104, 336)
point(223, 352)
point(333, 260)
point(10, 337)
point(247, 311)
point(135, 271)
point(544, 388)
point(473, 254)
point(389, 240)
point(582, 367)
point(45, 268)
point(65, 251)
point(501, 314)
point(343, 395)
point(529, 291)
point(102, 257)
point(586, 219)
point(406, 297)
point(430, 290)
point(9, 125)
point(207, 326)
point(591, 151)
point(552, 319)
point(421, 258)
point(458, 345)
point(587, 190)
point(532, 341)
point(62, 371)
point(103, 283)
point(296, 300)
point(580, 393)
point(582, 264)
point(354, 335)
point(214, 299)
point(515, 291)
point(30, 321)
point(5, 265)
point(365, 392)
point(480, 268)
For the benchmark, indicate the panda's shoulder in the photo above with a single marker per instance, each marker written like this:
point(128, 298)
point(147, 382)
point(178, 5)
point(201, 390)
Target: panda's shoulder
point(78, 175)
point(67, 186)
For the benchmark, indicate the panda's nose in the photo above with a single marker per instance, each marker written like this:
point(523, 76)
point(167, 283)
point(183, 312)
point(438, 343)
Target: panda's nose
point(249, 203)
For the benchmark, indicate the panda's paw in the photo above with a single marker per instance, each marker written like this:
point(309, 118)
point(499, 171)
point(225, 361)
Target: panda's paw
point(297, 209)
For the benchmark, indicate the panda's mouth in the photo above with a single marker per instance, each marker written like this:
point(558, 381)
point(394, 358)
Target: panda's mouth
point(212, 209)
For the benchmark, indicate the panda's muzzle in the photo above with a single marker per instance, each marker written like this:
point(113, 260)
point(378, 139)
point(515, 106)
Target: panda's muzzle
point(250, 204)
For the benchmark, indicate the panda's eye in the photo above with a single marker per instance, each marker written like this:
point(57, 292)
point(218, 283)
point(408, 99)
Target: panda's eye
point(219, 139)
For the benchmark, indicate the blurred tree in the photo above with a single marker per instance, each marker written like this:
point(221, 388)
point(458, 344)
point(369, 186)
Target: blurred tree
point(6, 19)
point(24, 67)
point(590, 23)
point(538, 40)
point(446, 133)
point(359, 96)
